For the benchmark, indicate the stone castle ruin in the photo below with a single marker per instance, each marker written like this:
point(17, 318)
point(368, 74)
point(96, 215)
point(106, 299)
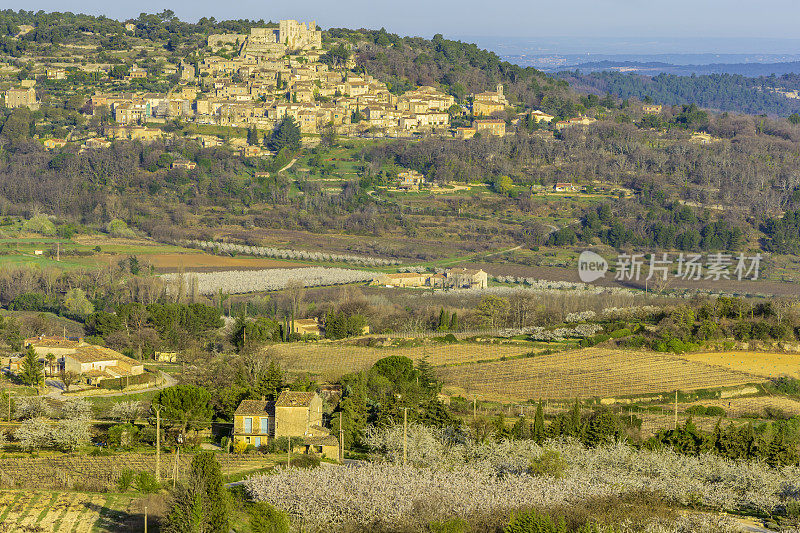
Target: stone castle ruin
point(271, 43)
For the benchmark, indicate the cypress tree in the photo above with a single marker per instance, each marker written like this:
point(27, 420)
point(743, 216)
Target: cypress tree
point(538, 424)
point(444, 320)
point(454, 322)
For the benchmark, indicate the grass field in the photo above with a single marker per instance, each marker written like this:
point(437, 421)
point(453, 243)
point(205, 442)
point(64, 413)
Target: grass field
point(329, 361)
point(587, 373)
point(761, 364)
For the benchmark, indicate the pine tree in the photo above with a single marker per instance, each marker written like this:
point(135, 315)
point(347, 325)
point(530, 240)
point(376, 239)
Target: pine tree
point(32, 374)
point(538, 424)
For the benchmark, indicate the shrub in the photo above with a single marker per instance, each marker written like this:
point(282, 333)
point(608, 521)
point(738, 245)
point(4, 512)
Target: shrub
point(146, 483)
point(549, 464)
point(125, 480)
point(39, 224)
point(715, 410)
point(264, 518)
point(118, 228)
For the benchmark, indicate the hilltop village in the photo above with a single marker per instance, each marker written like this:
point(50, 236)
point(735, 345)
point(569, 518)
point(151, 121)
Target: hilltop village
point(255, 80)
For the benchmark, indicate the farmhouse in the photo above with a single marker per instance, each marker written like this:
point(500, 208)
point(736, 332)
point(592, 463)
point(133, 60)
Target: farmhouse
point(454, 278)
point(410, 180)
point(93, 363)
point(563, 187)
point(466, 278)
point(293, 414)
point(651, 109)
point(306, 326)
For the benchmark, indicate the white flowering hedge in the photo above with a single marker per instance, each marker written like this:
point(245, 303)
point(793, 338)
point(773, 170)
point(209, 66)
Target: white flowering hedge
point(297, 255)
point(465, 478)
point(539, 333)
point(242, 281)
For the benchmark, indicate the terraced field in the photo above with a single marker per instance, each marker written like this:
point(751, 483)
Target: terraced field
point(587, 373)
point(330, 361)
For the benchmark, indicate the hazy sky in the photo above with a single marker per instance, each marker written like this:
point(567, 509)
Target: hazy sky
point(512, 18)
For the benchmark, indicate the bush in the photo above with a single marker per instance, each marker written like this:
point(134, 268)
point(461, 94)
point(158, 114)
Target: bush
point(146, 483)
point(264, 518)
point(125, 480)
point(305, 461)
point(40, 224)
point(549, 464)
point(118, 228)
point(715, 410)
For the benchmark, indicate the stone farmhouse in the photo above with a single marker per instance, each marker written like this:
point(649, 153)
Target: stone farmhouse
point(93, 364)
point(410, 180)
point(453, 278)
point(292, 414)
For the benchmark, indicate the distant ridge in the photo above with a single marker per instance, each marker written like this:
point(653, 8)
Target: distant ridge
point(654, 68)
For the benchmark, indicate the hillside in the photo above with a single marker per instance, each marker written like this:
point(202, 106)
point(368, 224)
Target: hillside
point(724, 92)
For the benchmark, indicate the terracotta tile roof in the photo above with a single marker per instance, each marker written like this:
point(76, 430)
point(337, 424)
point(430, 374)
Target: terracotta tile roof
point(255, 408)
point(328, 440)
point(295, 399)
point(94, 354)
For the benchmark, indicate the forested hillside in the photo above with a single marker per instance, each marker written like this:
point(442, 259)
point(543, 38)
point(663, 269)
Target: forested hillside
point(724, 92)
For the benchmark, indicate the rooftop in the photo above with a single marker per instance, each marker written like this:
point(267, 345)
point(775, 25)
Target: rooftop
point(256, 408)
point(294, 399)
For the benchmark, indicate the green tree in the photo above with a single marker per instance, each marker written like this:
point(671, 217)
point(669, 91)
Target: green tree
point(185, 406)
point(270, 382)
point(454, 322)
point(31, 374)
point(203, 504)
point(285, 135)
point(538, 424)
point(502, 185)
point(76, 302)
point(444, 320)
point(493, 310)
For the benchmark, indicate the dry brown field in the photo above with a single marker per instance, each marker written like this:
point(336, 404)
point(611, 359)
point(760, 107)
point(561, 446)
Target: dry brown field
point(331, 360)
point(769, 365)
point(586, 373)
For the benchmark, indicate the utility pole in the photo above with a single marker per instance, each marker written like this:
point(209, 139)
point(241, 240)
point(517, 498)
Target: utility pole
point(9, 405)
point(145, 519)
point(177, 458)
point(676, 409)
point(341, 439)
point(474, 409)
point(289, 453)
point(405, 435)
point(158, 444)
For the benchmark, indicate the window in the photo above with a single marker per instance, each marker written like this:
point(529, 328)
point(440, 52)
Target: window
point(257, 441)
point(248, 425)
point(265, 426)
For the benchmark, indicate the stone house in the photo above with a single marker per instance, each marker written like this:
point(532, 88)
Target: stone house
point(492, 127)
point(292, 414)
